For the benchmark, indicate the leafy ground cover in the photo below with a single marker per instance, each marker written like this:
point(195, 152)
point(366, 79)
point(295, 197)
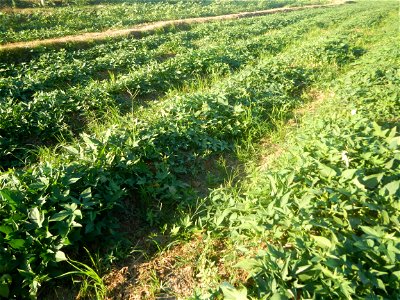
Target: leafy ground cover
point(52, 3)
point(65, 83)
point(323, 221)
point(56, 22)
point(320, 218)
point(76, 192)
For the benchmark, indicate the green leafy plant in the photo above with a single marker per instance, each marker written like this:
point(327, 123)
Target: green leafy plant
point(70, 197)
point(328, 215)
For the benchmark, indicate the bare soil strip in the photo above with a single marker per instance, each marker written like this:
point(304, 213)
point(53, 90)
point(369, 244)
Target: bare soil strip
point(145, 28)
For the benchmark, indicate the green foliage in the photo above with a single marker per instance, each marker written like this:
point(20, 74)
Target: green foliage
point(330, 214)
point(56, 22)
point(38, 96)
point(70, 198)
point(337, 226)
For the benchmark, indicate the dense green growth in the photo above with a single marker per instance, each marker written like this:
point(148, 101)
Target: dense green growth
point(237, 76)
point(52, 95)
point(328, 214)
point(46, 23)
point(52, 3)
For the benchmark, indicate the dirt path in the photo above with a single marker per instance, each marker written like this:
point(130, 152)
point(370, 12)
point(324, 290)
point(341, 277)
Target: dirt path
point(143, 28)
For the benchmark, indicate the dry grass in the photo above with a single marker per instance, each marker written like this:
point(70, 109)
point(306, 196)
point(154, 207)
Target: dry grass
point(176, 273)
point(169, 275)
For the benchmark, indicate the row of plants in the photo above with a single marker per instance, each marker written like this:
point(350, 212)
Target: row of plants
point(54, 69)
point(38, 24)
point(54, 3)
point(47, 116)
point(69, 199)
point(323, 219)
point(60, 69)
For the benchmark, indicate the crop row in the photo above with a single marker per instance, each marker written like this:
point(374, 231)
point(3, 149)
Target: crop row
point(327, 222)
point(69, 20)
point(48, 69)
point(66, 201)
point(22, 80)
point(49, 115)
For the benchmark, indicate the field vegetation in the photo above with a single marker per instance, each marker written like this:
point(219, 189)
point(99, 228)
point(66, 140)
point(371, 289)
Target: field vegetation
point(205, 134)
point(28, 24)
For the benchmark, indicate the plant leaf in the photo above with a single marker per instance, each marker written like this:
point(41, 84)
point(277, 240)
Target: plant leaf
point(17, 243)
point(230, 293)
point(36, 217)
point(321, 241)
point(278, 296)
point(60, 256)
